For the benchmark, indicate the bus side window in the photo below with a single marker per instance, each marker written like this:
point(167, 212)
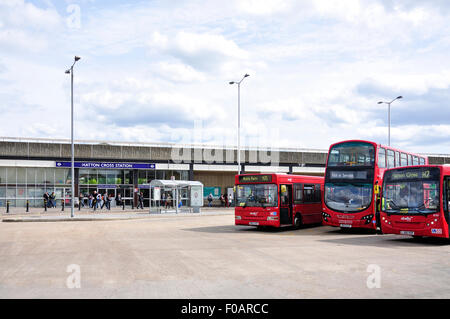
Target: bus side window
point(382, 158)
point(317, 193)
point(308, 193)
point(298, 193)
point(390, 159)
point(404, 159)
point(422, 161)
point(410, 161)
point(397, 159)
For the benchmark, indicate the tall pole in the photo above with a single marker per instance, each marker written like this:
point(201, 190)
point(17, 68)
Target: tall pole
point(389, 116)
point(72, 147)
point(72, 164)
point(239, 123)
point(239, 129)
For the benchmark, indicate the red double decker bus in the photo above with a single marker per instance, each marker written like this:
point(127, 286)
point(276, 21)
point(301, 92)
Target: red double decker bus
point(353, 177)
point(278, 200)
point(415, 201)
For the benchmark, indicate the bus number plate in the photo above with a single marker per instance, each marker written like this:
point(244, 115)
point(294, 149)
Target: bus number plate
point(346, 225)
point(253, 223)
point(406, 232)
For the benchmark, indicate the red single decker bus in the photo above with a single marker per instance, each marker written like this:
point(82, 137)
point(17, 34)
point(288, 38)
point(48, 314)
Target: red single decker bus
point(353, 177)
point(278, 200)
point(416, 201)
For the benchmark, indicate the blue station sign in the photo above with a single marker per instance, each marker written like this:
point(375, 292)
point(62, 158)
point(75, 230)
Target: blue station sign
point(107, 165)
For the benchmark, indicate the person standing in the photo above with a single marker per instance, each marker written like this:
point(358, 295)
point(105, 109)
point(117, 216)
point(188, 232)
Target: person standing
point(46, 199)
point(53, 200)
point(226, 201)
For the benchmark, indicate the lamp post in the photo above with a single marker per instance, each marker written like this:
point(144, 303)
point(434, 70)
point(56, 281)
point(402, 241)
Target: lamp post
point(239, 121)
point(70, 71)
point(389, 116)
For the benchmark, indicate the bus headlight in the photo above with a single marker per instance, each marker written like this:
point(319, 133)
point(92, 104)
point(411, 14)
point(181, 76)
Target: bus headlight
point(238, 217)
point(272, 218)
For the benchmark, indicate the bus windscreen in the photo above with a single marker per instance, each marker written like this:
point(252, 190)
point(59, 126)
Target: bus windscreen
point(257, 195)
point(411, 191)
point(352, 154)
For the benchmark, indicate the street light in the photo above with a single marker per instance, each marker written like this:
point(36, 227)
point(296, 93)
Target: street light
point(389, 116)
point(70, 71)
point(239, 121)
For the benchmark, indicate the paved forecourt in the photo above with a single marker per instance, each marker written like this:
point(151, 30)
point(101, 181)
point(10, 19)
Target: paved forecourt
point(206, 256)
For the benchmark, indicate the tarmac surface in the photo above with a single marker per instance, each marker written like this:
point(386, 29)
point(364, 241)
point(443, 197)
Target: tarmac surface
point(206, 256)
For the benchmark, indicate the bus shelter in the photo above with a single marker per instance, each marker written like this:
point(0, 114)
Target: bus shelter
point(175, 196)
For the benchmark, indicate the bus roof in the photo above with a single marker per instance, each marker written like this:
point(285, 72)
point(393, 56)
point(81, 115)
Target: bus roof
point(280, 178)
point(444, 168)
point(377, 145)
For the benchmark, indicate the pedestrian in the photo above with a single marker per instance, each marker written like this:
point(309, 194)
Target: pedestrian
point(222, 201)
point(163, 199)
point(118, 200)
point(210, 199)
point(80, 200)
point(168, 201)
point(104, 199)
point(53, 200)
point(141, 201)
point(99, 200)
point(46, 199)
point(108, 201)
point(226, 201)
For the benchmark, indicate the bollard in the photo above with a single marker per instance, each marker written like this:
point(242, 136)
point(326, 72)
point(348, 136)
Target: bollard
point(123, 205)
point(45, 204)
point(7, 206)
point(79, 205)
point(28, 206)
point(62, 205)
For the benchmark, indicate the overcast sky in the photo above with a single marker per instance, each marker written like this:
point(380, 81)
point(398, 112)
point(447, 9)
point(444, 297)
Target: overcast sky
point(158, 71)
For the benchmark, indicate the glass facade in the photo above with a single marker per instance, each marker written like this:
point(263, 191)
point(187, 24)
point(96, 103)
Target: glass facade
point(21, 184)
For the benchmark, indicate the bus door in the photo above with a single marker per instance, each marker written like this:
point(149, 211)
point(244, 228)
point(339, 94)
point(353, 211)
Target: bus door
point(446, 199)
point(286, 204)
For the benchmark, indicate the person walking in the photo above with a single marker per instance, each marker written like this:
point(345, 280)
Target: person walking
point(80, 200)
point(108, 201)
point(210, 199)
point(140, 201)
point(99, 200)
point(94, 200)
point(104, 199)
point(222, 200)
point(226, 201)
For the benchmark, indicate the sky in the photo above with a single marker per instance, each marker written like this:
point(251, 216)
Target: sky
point(159, 71)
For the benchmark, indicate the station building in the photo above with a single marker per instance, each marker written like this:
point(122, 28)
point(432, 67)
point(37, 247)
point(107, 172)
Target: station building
point(30, 167)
